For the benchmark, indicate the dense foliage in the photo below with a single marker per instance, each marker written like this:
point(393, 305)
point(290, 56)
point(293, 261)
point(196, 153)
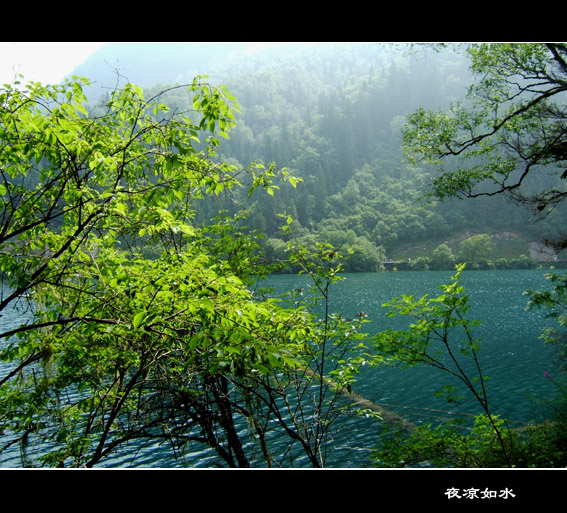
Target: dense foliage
point(132, 239)
point(140, 323)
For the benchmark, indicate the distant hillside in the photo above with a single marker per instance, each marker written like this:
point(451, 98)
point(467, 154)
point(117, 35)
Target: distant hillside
point(332, 113)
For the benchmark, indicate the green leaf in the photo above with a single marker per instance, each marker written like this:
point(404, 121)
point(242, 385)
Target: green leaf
point(138, 318)
point(208, 305)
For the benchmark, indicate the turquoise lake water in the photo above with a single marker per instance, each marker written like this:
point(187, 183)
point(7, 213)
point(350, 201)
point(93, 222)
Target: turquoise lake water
point(512, 355)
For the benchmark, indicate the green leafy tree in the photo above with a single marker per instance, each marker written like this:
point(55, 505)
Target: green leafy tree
point(441, 336)
point(336, 353)
point(442, 257)
point(476, 248)
point(141, 326)
point(550, 436)
point(554, 300)
point(509, 137)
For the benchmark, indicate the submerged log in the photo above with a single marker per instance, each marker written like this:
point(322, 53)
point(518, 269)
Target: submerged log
point(385, 414)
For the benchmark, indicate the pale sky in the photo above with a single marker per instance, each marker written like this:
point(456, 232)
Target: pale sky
point(43, 62)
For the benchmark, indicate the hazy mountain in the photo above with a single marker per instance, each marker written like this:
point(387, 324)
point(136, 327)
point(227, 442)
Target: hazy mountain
point(149, 64)
point(332, 113)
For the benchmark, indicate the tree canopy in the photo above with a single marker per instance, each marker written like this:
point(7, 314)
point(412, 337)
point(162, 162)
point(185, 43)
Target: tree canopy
point(139, 323)
point(509, 135)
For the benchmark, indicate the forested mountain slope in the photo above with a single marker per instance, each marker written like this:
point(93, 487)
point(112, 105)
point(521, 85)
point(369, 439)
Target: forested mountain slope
point(333, 113)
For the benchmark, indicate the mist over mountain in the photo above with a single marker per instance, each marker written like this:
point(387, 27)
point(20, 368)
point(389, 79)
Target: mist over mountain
point(332, 114)
point(149, 64)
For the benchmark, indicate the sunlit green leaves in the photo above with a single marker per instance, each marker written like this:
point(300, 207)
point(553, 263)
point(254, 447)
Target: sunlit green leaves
point(440, 335)
point(214, 106)
point(438, 330)
point(141, 317)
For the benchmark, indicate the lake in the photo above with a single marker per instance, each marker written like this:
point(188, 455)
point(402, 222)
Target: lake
point(512, 355)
